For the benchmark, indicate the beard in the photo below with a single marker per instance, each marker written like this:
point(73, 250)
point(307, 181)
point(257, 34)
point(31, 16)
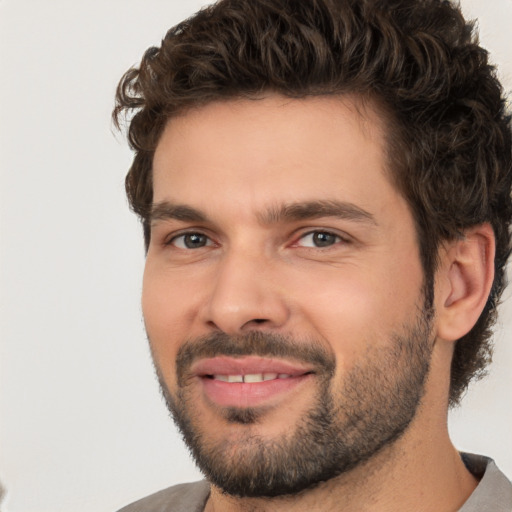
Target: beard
point(346, 426)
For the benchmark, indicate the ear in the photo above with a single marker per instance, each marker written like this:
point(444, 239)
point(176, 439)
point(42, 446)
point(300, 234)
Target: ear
point(463, 281)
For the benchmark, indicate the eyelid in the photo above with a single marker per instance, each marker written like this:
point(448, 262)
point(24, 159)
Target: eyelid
point(342, 237)
point(297, 236)
point(172, 237)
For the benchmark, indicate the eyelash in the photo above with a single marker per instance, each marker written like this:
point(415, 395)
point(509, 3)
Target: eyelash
point(315, 232)
point(172, 240)
point(209, 242)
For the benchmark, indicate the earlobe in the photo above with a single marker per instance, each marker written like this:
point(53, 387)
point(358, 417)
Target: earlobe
point(465, 277)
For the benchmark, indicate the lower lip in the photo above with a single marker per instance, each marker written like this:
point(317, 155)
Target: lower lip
point(241, 394)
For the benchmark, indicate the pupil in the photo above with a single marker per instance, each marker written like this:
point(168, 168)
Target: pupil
point(323, 239)
point(194, 241)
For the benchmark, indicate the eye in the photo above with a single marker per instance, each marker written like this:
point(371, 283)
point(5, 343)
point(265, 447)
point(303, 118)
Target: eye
point(191, 241)
point(318, 239)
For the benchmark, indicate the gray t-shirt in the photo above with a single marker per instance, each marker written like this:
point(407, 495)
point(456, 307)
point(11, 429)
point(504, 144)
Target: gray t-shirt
point(493, 493)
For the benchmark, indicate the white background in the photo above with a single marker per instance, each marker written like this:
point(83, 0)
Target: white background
point(82, 426)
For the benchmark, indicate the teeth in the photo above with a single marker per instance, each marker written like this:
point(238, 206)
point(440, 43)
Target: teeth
point(251, 377)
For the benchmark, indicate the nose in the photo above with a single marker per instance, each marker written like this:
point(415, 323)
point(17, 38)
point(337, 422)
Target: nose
point(245, 296)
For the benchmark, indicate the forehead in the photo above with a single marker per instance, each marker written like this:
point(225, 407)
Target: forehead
point(273, 150)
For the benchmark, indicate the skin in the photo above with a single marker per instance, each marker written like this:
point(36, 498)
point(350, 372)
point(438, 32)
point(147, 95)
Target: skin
point(262, 273)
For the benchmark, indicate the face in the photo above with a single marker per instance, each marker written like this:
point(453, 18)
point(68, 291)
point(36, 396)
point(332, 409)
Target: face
point(283, 291)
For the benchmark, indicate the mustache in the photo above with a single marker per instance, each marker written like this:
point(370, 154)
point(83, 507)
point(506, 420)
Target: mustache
point(254, 343)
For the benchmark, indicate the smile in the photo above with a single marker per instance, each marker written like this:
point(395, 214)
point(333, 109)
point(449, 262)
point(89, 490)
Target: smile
point(249, 381)
point(250, 377)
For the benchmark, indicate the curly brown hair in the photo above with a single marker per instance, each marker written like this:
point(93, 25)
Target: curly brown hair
point(449, 135)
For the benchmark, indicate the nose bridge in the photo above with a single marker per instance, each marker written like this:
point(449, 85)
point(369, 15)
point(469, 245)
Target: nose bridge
point(245, 293)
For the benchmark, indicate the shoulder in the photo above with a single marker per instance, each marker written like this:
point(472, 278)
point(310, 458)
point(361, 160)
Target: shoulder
point(494, 492)
point(178, 498)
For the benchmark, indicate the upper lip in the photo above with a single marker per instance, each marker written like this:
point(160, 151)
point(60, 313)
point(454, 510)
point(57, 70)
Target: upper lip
point(228, 365)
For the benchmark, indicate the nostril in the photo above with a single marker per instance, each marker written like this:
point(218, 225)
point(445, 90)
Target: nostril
point(259, 320)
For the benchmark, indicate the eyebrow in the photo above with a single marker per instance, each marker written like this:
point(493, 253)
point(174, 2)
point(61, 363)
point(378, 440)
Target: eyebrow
point(317, 209)
point(165, 210)
point(305, 210)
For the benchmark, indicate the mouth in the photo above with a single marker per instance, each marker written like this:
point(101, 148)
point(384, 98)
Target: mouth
point(249, 381)
point(250, 377)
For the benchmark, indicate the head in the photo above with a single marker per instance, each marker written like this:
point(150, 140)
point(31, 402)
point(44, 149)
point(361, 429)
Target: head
point(447, 132)
point(412, 67)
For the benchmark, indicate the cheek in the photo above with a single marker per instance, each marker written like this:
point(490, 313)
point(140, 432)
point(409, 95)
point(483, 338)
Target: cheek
point(342, 313)
point(166, 310)
point(353, 307)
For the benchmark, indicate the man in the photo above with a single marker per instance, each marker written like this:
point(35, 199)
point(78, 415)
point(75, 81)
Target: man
point(324, 187)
